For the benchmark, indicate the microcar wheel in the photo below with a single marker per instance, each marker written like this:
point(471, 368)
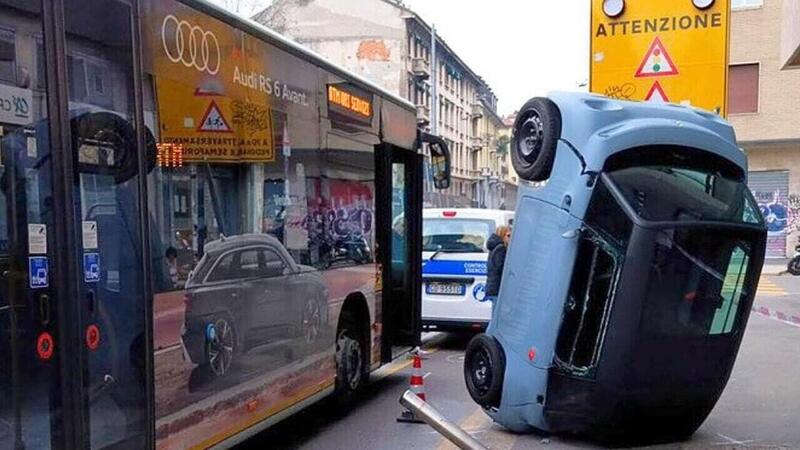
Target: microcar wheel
point(535, 136)
point(484, 368)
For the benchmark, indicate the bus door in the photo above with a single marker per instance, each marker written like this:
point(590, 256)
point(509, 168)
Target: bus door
point(31, 334)
point(400, 212)
point(72, 281)
point(106, 152)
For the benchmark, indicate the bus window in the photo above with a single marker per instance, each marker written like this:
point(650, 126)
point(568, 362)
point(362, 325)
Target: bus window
point(30, 408)
point(440, 160)
point(100, 81)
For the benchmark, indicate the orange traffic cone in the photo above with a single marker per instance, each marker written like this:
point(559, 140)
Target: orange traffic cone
point(417, 387)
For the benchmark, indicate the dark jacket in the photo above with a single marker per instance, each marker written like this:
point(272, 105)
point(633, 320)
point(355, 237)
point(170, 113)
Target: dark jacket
point(494, 265)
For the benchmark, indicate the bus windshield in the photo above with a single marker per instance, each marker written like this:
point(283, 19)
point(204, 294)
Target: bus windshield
point(456, 235)
point(668, 193)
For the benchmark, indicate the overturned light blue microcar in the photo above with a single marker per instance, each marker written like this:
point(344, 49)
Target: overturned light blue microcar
point(635, 257)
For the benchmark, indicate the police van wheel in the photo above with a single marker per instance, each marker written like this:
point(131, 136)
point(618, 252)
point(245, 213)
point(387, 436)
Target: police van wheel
point(484, 368)
point(535, 136)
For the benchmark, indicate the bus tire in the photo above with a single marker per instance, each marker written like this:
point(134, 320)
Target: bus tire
point(484, 368)
point(351, 366)
point(535, 136)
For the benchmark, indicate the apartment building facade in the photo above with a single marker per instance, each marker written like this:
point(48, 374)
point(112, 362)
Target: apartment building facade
point(394, 47)
point(763, 106)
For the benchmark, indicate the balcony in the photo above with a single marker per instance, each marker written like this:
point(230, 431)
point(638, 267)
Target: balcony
point(421, 68)
point(423, 114)
point(790, 36)
point(476, 143)
point(476, 111)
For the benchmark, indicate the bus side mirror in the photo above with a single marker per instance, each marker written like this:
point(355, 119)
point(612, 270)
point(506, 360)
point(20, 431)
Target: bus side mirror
point(440, 159)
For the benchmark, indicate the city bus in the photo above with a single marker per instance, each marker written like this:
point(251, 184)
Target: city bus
point(199, 225)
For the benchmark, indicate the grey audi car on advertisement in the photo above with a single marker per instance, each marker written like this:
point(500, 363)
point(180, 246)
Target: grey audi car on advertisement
point(247, 291)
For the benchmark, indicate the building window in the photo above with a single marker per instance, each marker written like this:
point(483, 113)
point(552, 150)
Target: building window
point(743, 88)
point(743, 4)
point(7, 56)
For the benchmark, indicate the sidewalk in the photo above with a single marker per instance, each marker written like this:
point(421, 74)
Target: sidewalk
point(774, 266)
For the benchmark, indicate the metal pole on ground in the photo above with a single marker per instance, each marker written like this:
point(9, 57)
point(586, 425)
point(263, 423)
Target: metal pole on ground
point(446, 428)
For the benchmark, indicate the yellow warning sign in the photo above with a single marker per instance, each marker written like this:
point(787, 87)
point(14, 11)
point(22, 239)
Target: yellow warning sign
point(211, 127)
point(656, 94)
point(661, 51)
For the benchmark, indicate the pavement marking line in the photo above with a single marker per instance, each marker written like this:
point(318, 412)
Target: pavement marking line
point(733, 441)
point(777, 315)
point(475, 421)
point(396, 366)
point(769, 288)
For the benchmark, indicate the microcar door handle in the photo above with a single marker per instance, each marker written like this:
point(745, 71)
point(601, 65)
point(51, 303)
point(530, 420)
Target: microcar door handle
point(571, 234)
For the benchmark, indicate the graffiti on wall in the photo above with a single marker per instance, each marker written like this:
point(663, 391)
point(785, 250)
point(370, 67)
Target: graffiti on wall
point(774, 208)
point(781, 213)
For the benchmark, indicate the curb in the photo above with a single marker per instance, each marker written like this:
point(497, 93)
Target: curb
point(777, 315)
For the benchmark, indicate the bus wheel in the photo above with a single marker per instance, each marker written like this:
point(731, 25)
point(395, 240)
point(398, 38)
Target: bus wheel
point(484, 367)
point(221, 340)
point(535, 136)
point(350, 360)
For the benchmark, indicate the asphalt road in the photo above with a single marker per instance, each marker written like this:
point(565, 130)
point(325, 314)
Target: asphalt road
point(760, 407)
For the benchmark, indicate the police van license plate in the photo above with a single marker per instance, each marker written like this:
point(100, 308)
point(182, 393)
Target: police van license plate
point(445, 288)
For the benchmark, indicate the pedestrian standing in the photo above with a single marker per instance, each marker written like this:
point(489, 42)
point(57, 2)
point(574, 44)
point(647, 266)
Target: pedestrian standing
point(497, 246)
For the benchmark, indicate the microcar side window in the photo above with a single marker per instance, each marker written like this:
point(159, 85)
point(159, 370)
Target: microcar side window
point(588, 305)
point(606, 215)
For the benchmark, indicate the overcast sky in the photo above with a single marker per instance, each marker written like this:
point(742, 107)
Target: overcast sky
point(522, 48)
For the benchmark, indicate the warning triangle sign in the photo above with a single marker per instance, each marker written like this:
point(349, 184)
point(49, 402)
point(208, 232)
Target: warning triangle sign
point(656, 62)
point(656, 94)
point(213, 122)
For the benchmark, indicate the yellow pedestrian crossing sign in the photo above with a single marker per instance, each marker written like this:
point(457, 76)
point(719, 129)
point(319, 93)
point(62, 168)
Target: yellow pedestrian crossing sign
point(661, 51)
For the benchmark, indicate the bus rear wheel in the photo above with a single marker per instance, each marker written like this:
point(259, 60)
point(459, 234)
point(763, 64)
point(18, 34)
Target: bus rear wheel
point(351, 366)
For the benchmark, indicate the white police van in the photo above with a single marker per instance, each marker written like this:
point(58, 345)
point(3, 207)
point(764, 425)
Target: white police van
point(454, 258)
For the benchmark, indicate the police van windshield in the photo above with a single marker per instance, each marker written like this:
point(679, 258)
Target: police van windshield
point(456, 235)
point(669, 193)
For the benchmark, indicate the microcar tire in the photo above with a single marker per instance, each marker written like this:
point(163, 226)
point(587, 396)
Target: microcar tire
point(484, 368)
point(536, 132)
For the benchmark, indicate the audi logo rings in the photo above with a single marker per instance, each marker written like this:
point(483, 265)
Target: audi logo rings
point(192, 46)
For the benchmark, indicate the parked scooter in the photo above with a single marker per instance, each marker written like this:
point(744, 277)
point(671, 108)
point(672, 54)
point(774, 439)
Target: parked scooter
point(353, 246)
point(794, 264)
